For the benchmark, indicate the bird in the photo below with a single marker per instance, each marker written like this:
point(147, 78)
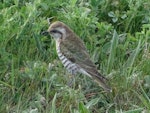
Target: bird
point(73, 53)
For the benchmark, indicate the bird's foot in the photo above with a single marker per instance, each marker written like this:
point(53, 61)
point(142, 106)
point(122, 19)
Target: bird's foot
point(71, 82)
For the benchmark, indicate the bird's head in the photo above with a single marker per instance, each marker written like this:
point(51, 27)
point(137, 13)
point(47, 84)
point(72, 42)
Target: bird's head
point(57, 30)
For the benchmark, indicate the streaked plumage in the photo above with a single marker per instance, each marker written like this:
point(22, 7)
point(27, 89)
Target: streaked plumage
point(73, 54)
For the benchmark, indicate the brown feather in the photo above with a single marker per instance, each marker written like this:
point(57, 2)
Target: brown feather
point(74, 49)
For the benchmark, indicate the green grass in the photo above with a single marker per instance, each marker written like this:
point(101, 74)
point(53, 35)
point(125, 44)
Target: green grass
point(117, 36)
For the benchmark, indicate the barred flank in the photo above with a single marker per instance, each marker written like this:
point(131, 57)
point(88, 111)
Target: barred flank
point(71, 67)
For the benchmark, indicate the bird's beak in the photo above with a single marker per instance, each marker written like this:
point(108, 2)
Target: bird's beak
point(45, 33)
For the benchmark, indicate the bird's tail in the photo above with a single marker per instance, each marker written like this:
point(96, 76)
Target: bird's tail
point(101, 80)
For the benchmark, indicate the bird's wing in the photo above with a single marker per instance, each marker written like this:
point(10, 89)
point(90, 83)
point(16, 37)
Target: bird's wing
point(76, 52)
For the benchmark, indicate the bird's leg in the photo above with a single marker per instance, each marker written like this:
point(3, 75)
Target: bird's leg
point(71, 81)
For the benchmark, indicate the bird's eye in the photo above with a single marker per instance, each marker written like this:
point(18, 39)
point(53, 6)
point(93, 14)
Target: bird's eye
point(54, 31)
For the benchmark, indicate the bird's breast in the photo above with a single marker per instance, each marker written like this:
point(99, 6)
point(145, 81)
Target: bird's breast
point(70, 66)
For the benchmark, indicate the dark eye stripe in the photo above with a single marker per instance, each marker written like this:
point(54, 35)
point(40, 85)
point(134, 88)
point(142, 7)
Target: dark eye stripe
point(55, 31)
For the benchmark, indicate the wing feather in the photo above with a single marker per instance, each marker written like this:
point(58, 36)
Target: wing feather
point(74, 49)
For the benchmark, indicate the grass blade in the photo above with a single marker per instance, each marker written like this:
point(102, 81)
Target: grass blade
point(114, 44)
